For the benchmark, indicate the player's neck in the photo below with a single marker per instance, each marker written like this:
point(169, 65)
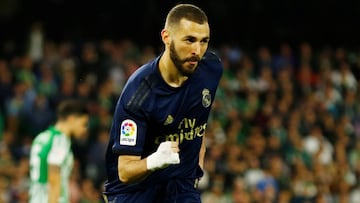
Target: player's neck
point(170, 73)
point(62, 127)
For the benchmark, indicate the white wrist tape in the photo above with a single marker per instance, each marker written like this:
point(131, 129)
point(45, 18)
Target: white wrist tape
point(163, 157)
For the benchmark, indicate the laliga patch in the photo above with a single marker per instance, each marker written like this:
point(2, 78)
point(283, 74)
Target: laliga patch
point(128, 133)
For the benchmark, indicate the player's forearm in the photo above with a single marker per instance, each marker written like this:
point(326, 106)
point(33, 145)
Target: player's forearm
point(132, 169)
point(202, 153)
point(54, 194)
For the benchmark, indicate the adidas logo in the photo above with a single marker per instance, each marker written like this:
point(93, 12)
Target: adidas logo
point(168, 120)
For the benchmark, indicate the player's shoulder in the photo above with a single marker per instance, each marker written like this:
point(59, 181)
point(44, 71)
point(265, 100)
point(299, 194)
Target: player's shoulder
point(144, 70)
point(211, 56)
point(139, 85)
point(48, 134)
point(43, 137)
point(213, 62)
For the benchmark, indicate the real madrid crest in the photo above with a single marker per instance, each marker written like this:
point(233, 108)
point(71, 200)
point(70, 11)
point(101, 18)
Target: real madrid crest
point(206, 98)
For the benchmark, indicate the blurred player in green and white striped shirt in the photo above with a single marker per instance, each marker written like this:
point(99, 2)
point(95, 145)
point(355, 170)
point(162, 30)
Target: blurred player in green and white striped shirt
point(51, 157)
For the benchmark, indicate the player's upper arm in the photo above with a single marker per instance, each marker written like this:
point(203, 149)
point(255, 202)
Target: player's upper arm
point(54, 180)
point(53, 172)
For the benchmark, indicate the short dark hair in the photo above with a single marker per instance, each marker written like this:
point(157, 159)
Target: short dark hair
point(71, 107)
point(187, 11)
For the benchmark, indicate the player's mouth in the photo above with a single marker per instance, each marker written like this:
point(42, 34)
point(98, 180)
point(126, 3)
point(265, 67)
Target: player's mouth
point(193, 62)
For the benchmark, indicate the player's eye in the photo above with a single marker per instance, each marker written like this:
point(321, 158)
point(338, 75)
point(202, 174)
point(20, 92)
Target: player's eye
point(204, 41)
point(190, 40)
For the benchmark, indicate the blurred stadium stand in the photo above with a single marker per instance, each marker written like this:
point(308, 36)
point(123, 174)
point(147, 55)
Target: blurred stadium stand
point(289, 130)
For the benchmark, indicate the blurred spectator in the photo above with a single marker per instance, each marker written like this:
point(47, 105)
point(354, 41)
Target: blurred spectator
point(343, 78)
point(89, 193)
point(2, 125)
point(20, 182)
point(47, 84)
point(6, 83)
point(354, 195)
point(307, 79)
point(318, 146)
point(307, 57)
point(89, 67)
point(265, 79)
point(216, 192)
point(264, 59)
point(38, 116)
point(254, 173)
point(354, 158)
point(14, 105)
point(36, 41)
point(236, 163)
point(239, 192)
point(95, 159)
point(284, 58)
point(267, 188)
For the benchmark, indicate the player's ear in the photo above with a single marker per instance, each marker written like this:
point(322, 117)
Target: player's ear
point(71, 119)
point(165, 37)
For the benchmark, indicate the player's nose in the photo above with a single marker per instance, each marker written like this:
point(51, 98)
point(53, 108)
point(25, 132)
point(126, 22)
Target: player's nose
point(196, 49)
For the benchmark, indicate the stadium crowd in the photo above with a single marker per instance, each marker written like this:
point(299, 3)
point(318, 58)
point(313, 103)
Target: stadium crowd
point(285, 125)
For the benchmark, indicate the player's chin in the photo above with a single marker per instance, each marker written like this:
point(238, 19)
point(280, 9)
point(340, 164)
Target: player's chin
point(189, 71)
point(191, 66)
point(80, 136)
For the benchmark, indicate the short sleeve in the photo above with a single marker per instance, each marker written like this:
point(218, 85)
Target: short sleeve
point(130, 123)
point(58, 151)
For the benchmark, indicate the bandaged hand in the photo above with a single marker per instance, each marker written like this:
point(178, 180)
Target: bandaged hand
point(166, 154)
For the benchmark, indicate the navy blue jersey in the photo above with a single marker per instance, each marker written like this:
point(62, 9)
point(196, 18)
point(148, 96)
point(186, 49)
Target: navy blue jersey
point(149, 112)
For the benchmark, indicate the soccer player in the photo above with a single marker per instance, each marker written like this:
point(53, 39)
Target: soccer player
point(156, 147)
point(51, 157)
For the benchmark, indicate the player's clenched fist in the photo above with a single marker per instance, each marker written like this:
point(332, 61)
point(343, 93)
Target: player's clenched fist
point(166, 154)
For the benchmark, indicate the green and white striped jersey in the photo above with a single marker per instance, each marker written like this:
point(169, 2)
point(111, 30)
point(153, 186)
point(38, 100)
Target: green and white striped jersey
point(50, 147)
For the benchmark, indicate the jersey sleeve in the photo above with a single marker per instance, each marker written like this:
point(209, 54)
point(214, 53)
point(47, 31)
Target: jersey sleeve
point(130, 120)
point(58, 151)
point(214, 63)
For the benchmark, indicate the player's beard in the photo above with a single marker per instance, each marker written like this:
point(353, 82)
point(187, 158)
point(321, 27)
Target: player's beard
point(180, 63)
